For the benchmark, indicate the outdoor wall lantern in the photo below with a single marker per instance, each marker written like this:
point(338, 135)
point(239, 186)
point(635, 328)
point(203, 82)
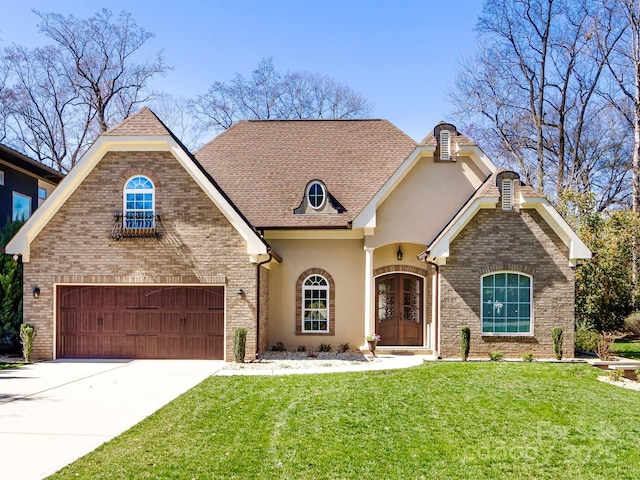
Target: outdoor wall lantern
point(240, 293)
point(36, 291)
point(399, 253)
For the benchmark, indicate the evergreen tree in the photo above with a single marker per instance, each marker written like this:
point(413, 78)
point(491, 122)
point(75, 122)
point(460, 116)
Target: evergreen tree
point(10, 290)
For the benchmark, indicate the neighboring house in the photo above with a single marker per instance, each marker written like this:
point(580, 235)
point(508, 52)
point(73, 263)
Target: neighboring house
point(302, 232)
point(24, 185)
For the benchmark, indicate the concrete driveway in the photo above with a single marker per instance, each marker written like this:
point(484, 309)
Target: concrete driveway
point(52, 413)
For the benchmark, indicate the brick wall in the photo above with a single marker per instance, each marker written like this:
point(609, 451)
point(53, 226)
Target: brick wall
point(199, 246)
point(507, 240)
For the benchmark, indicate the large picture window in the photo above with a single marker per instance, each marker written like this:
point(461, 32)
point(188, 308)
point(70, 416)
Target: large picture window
point(139, 203)
point(506, 303)
point(315, 305)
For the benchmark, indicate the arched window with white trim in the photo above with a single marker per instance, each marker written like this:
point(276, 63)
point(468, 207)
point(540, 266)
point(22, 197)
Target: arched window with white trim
point(139, 203)
point(507, 300)
point(315, 304)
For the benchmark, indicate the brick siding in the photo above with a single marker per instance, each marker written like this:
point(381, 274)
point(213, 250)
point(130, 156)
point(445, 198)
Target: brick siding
point(497, 240)
point(199, 246)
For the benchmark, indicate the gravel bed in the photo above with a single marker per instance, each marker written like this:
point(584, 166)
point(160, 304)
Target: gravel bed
point(11, 359)
point(299, 361)
point(623, 383)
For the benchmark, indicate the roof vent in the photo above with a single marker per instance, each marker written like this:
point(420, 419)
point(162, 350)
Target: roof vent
point(508, 183)
point(507, 194)
point(444, 133)
point(445, 145)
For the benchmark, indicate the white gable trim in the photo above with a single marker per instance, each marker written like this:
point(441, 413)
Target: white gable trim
point(367, 217)
point(439, 250)
point(577, 249)
point(21, 242)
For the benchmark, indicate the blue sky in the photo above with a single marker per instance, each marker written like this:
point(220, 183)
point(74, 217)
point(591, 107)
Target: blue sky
point(401, 55)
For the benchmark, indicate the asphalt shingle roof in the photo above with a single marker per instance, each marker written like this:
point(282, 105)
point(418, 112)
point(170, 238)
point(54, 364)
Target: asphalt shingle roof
point(265, 165)
point(141, 124)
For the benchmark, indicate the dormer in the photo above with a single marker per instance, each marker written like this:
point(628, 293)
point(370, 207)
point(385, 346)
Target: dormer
point(508, 184)
point(445, 145)
point(318, 200)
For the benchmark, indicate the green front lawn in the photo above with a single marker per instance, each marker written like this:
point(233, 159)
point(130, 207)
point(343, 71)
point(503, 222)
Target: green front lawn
point(627, 348)
point(441, 420)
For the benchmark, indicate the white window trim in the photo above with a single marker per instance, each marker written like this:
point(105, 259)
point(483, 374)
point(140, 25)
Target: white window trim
point(507, 194)
point(531, 313)
point(305, 289)
point(324, 194)
point(445, 145)
point(126, 190)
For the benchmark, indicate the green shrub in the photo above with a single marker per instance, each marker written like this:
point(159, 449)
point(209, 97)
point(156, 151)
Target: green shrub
point(496, 356)
point(324, 347)
point(527, 357)
point(632, 323)
point(616, 375)
point(465, 342)
point(343, 347)
point(10, 290)
point(239, 344)
point(27, 334)
point(558, 336)
point(278, 347)
point(586, 340)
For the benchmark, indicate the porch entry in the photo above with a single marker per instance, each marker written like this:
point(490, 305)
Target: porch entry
point(399, 309)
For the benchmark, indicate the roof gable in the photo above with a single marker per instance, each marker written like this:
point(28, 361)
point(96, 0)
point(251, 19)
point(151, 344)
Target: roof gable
point(141, 124)
point(144, 132)
point(367, 217)
point(488, 196)
point(265, 166)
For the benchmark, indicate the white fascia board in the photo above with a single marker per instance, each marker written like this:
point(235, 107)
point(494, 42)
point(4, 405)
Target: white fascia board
point(367, 217)
point(255, 246)
point(440, 249)
point(474, 152)
point(311, 234)
point(577, 249)
point(21, 242)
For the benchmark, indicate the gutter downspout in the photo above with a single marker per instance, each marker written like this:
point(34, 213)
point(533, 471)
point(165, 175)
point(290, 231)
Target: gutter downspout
point(258, 265)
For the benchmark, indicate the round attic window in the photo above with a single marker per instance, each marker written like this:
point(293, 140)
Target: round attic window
point(316, 195)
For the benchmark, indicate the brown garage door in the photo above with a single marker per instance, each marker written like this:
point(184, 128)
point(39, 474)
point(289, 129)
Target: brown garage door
point(140, 322)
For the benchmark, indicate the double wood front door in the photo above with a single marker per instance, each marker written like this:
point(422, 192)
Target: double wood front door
point(399, 309)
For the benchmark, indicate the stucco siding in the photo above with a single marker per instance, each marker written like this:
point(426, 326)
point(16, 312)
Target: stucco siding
point(344, 261)
point(425, 200)
point(199, 246)
point(496, 240)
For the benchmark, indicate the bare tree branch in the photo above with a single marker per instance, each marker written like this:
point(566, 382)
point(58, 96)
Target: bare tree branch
point(268, 94)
